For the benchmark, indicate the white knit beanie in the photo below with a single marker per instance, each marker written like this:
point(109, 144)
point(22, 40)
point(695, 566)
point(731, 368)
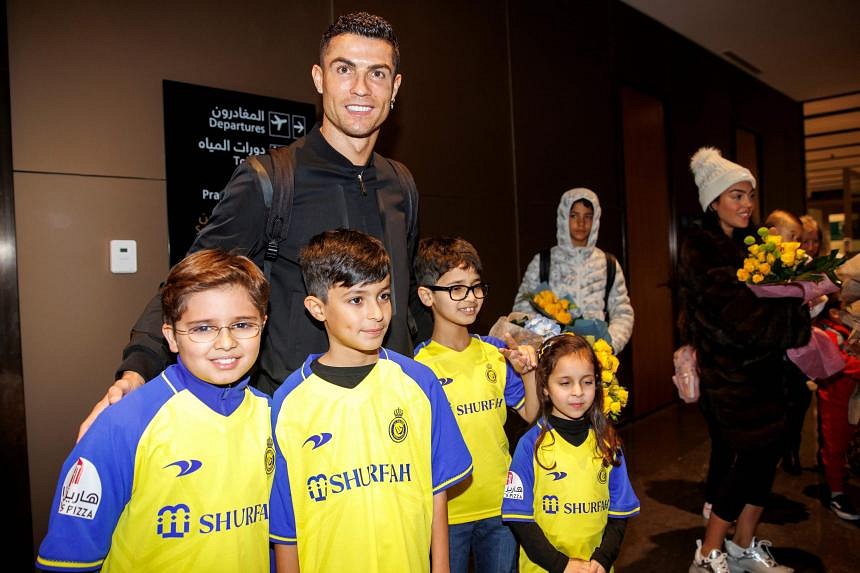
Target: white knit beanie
point(714, 174)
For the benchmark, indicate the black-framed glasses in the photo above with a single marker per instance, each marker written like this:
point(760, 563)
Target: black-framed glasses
point(460, 292)
point(209, 333)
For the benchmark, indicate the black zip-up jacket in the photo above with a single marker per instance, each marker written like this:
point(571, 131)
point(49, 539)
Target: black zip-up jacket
point(330, 192)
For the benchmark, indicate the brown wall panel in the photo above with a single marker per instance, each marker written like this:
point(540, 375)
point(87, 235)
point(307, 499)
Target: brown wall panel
point(649, 264)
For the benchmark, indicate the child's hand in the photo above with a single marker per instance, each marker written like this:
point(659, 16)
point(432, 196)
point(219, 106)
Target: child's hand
point(577, 566)
point(595, 567)
point(522, 357)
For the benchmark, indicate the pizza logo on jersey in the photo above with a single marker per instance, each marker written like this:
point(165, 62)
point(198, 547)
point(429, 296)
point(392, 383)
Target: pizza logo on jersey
point(398, 428)
point(185, 466)
point(550, 504)
point(82, 491)
point(557, 475)
point(513, 487)
point(445, 381)
point(491, 374)
point(270, 456)
point(601, 475)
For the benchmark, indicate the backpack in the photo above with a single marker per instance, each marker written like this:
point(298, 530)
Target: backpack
point(610, 275)
point(279, 190)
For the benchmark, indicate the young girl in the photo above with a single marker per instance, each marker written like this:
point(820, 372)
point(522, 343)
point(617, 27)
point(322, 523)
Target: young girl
point(568, 491)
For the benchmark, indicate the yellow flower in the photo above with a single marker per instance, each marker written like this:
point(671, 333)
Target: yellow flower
point(606, 376)
point(615, 408)
point(743, 275)
point(787, 259)
point(754, 249)
point(775, 239)
point(763, 255)
point(770, 258)
point(757, 278)
point(622, 395)
point(790, 246)
point(602, 346)
point(801, 254)
point(750, 265)
point(764, 268)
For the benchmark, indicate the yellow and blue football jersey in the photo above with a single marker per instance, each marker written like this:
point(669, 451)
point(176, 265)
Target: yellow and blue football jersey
point(570, 502)
point(357, 468)
point(174, 477)
point(480, 385)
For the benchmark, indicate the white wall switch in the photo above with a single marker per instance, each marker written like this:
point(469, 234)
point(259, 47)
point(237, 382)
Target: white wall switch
point(123, 257)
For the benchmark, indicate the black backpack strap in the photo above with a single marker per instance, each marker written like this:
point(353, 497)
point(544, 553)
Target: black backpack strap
point(610, 281)
point(408, 183)
point(544, 266)
point(278, 191)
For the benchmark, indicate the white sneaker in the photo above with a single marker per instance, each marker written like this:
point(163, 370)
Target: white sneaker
point(753, 559)
point(715, 562)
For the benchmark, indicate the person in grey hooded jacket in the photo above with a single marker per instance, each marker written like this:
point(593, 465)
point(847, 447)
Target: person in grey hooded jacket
point(578, 268)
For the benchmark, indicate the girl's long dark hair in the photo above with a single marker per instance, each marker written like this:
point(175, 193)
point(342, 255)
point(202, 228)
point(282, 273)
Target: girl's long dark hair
point(550, 352)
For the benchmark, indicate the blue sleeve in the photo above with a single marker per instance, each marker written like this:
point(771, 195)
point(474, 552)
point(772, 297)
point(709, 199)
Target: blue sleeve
point(518, 501)
point(623, 502)
point(515, 390)
point(449, 455)
point(282, 517)
point(95, 485)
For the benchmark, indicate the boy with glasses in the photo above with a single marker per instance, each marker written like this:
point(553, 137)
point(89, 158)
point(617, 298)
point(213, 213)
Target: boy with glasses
point(482, 378)
point(176, 477)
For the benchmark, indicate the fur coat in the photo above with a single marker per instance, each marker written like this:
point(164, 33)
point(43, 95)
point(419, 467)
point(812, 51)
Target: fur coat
point(740, 339)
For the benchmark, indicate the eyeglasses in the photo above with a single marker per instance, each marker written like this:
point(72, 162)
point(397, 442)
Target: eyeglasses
point(460, 292)
point(209, 333)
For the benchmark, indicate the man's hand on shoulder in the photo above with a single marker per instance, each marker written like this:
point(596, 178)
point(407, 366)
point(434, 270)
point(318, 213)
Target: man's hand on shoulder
point(129, 382)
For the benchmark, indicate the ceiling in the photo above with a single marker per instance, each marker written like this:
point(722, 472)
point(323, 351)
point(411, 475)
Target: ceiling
point(808, 50)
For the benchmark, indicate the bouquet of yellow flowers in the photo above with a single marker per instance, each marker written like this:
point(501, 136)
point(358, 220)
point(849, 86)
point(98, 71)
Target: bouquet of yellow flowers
point(551, 306)
point(614, 394)
point(775, 268)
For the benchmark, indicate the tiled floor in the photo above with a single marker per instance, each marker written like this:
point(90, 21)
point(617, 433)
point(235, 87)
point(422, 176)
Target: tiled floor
point(667, 456)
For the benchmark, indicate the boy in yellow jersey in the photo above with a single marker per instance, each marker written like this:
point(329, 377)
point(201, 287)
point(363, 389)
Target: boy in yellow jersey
point(481, 385)
point(366, 445)
point(176, 477)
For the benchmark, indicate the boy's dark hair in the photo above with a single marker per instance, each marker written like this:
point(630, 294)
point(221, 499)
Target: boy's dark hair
point(438, 255)
point(585, 202)
point(362, 24)
point(549, 353)
point(342, 257)
point(209, 269)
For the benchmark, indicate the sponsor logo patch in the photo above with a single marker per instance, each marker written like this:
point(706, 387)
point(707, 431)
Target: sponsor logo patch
point(82, 491)
point(514, 486)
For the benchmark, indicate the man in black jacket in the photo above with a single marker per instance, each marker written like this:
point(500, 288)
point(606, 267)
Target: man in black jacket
point(339, 182)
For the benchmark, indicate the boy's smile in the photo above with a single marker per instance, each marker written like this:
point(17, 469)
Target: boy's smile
point(356, 320)
point(226, 359)
point(459, 312)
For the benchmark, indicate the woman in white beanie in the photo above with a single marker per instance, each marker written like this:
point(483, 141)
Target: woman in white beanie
point(740, 341)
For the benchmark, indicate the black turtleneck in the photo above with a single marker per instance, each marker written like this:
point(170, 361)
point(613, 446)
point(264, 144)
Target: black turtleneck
point(532, 537)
